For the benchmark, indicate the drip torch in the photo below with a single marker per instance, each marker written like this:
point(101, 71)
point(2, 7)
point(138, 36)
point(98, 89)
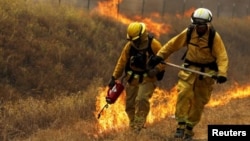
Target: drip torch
point(112, 95)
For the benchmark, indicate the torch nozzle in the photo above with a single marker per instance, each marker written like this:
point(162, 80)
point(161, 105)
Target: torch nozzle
point(105, 106)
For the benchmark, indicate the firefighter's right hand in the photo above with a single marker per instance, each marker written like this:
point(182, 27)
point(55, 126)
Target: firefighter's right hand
point(111, 82)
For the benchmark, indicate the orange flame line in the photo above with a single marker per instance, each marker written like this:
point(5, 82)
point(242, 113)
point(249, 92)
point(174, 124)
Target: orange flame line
point(110, 9)
point(162, 106)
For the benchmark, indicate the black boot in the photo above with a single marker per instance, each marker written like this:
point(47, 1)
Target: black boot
point(180, 130)
point(179, 133)
point(188, 133)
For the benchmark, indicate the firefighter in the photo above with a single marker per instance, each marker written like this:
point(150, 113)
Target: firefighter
point(140, 83)
point(194, 91)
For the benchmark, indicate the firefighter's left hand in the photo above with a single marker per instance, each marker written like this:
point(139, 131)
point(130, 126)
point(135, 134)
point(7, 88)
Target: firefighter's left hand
point(221, 79)
point(153, 72)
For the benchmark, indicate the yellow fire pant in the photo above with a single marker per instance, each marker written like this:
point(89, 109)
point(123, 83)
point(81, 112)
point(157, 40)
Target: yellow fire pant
point(193, 94)
point(137, 102)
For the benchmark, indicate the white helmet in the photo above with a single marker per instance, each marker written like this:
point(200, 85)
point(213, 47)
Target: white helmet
point(201, 16)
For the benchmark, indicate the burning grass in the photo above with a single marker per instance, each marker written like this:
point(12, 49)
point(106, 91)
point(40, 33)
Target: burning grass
point(75, 117)
point(55, 63)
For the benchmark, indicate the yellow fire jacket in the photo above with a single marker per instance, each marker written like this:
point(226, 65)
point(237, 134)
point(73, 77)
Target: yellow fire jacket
point(125, 56)
point(198, 50)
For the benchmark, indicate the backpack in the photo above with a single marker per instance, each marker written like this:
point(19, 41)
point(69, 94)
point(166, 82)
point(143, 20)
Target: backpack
point(211, 36)
point(139, 57)
point(141, 61)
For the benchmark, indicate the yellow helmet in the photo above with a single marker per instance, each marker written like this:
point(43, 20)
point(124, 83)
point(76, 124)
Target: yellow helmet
point(135, 30)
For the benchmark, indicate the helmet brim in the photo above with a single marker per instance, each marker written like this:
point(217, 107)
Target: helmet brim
point(132, 38)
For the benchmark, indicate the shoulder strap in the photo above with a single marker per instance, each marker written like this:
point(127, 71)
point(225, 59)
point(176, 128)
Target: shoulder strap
point(189, 32)
point(150, 38)
point(188, 38)
point(211, 37)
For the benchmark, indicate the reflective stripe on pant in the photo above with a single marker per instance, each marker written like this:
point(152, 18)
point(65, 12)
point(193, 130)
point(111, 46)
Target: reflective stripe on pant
point(192, 97)
point(137, 102)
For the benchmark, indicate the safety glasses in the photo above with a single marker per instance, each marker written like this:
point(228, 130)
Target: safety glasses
point(197, 21)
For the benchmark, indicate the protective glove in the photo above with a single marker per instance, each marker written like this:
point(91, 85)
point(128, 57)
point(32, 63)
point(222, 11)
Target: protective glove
point(111, 82)
point(221, 79)
point(153, 72)
point(154, 60)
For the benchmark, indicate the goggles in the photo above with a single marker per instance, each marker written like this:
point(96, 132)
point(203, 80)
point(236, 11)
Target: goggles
point(197, 21)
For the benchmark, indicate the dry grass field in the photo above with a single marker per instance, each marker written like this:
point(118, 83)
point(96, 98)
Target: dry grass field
point(56, 60)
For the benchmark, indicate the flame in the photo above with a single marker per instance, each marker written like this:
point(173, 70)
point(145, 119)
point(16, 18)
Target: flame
point(187, 13)
point(234, 93)
point(110, 9)
point(114, 117)
point(162, 106)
